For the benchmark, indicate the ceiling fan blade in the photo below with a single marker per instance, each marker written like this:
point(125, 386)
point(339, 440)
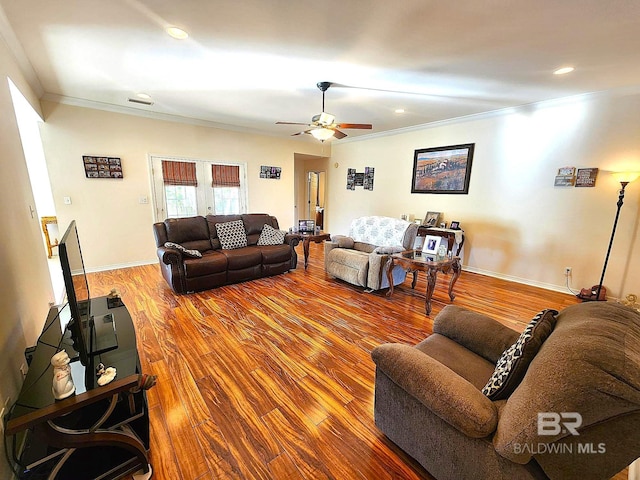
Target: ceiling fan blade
point(338, 134)
point(293, 123)
point(362, 126)
point(300, 133)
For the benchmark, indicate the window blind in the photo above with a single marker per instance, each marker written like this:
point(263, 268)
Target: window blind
point(179, 173)
point(225, 176)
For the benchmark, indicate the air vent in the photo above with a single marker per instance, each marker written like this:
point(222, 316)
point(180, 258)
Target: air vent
point(141, 102)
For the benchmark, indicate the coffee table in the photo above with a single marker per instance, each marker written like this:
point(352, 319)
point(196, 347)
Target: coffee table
point(415, 261)
point(307, 238)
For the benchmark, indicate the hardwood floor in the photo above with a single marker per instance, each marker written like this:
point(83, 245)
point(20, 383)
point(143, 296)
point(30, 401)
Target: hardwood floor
point(272, 379)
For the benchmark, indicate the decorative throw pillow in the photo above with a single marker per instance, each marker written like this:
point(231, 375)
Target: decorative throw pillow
point(514, 361)
point(231, 234)
point(271, 236)
point(189, 253)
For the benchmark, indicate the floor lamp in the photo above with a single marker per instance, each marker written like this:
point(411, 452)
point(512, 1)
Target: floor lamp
point(625, 178)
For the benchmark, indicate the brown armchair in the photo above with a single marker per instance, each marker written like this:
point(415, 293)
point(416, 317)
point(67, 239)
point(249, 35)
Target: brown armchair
point(428, 398)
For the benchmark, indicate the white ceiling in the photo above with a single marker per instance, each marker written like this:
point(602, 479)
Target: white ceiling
point(250, 63)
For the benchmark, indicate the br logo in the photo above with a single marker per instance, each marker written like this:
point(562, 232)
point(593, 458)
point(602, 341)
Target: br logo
point(552, 423)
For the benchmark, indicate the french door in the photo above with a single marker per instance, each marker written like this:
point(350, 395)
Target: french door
point(195, 192)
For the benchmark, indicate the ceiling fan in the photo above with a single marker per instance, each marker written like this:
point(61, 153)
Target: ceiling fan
point(323, 125)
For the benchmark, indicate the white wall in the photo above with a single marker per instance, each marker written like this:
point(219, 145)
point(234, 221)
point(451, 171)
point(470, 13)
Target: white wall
point(25, 288)
point(517, 224)
point(114, 228)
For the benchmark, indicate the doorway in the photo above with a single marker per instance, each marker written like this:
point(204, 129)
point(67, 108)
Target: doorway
point(310, 173)
point(316, 185)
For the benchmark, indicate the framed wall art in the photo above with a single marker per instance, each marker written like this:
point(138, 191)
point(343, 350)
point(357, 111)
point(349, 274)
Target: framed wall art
point(102, 167)
point(270, 172)
point(442, 169)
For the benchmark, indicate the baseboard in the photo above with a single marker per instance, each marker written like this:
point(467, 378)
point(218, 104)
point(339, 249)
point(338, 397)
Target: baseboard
point(104, 268)
point(524, 281)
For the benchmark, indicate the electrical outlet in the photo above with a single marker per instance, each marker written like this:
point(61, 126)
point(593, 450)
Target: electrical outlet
point(567, 271)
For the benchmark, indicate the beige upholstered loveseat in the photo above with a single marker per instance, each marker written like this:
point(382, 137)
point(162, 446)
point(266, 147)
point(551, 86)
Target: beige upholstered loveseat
point(584, 380)
point(360, 257)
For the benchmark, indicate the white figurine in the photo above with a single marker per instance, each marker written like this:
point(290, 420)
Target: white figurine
point(62, 381)
point(107, 376)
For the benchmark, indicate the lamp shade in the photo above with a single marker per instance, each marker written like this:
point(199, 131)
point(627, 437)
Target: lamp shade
point(322, 134)
point(626, 177)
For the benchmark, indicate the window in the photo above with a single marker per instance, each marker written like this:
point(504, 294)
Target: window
point(226, 189)
point(184, 188)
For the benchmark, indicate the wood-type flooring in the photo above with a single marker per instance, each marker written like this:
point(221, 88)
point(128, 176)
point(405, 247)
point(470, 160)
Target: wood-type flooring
point(273, 379)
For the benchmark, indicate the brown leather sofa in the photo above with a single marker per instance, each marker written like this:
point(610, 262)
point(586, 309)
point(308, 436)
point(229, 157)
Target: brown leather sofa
point(219, 266)
point(584, 381)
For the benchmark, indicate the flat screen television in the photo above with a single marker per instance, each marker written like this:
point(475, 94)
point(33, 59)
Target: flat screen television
point(77, 290)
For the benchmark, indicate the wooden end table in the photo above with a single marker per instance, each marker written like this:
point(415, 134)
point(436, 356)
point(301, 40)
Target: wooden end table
point(307, 238)
point(415, 261)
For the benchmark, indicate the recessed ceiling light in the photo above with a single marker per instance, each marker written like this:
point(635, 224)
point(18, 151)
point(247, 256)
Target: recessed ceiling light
point(563, 70)
point(177, 33)
point(399, 110)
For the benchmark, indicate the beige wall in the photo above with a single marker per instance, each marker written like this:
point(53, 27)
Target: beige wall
point(518, 225)
point(25, 289)
point(114, 228)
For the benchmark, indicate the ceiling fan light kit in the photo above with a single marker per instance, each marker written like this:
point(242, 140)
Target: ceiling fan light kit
point(325, 122)
point(322, 134)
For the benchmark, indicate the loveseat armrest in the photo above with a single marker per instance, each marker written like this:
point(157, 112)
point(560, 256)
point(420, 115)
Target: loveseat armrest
point(479, 333)
point(437, 387)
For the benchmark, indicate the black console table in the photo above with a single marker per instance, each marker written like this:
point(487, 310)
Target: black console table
point(98, 432)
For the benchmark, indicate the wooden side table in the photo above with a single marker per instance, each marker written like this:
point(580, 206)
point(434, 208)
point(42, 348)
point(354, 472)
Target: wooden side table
point(413, 261)
point(307, 238)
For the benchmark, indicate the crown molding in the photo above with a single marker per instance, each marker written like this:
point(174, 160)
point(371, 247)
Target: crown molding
point(15, 47)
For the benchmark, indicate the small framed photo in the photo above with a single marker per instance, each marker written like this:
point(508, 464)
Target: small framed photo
point(443, 224)
point(431, 220)
point(454, 225)
point(431, 244)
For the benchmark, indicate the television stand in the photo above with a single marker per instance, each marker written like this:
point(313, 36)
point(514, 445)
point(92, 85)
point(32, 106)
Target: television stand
point(100, 432)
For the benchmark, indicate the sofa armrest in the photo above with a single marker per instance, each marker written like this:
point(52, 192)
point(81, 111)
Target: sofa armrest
point(477, 332)
point(170, 256)
point(438, 388)
point(292, 239)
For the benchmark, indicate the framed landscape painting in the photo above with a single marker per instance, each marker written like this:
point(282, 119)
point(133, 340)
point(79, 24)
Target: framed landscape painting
point(442, 169)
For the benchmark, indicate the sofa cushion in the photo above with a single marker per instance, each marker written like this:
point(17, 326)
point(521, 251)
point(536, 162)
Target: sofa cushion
point(232, 234)
point(275, 254)
point(254, 224)
point(514, 362)
point(211, 262)
point(241, 258)
point(349, 265)
point(470, 366)
point(192, 232)
point(271, 236)
point(187, 252)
